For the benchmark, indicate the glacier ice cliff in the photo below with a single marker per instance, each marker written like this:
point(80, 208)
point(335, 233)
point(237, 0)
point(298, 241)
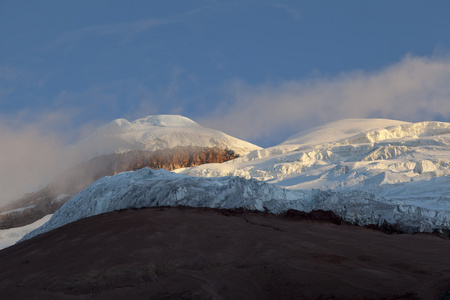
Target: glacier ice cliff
point(153, 188)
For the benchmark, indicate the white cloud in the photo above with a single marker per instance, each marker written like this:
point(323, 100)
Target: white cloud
point(414, 89)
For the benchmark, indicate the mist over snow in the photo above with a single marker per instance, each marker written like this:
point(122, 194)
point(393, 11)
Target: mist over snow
point(413, 89)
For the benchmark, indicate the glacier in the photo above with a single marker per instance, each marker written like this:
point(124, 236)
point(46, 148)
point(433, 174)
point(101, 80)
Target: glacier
point(153, 188)
point(368, 171)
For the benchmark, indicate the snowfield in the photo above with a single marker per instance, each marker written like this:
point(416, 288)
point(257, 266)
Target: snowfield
point(368, 171)
point(10, 236)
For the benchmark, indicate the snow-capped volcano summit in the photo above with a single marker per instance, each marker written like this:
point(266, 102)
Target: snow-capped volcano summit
point(156, 133)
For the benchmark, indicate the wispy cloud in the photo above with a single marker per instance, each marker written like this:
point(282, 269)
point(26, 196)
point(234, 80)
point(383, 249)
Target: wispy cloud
point(123, 30)
point(295, 13)
point(11, 73)
point(414, 89)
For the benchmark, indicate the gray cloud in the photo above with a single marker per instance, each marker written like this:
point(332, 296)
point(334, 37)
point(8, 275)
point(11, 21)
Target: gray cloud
point(414, 89)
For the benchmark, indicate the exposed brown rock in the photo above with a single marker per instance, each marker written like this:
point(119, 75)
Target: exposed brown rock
point(77, 179)
point(187, 253)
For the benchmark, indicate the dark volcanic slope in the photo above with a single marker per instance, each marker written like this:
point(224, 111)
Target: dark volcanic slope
point(186, 253)
point(44, 201)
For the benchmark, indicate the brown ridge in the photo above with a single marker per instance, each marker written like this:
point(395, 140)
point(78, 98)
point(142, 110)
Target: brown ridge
point(189, 253)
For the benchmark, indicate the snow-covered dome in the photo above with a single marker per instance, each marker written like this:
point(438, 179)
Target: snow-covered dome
point(155, 133)
point(165, 121)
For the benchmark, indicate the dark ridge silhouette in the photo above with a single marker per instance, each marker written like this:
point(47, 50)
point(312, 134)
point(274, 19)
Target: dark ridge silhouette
point(316, 215)
point(198, 253)
point(45, 201)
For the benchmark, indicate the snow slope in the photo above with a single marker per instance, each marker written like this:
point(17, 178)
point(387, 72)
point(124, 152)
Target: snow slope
point(366, 171)
point(340, 130)
point(10, 236)
point(155, 133)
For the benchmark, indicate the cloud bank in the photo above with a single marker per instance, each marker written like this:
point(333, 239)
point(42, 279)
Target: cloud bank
point(414, 89)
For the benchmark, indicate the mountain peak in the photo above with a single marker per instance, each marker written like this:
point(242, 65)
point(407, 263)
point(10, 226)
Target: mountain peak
point(166, 121)
point(158, 132)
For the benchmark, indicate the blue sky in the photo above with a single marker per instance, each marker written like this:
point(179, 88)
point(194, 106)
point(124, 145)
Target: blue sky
point(258, 70)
